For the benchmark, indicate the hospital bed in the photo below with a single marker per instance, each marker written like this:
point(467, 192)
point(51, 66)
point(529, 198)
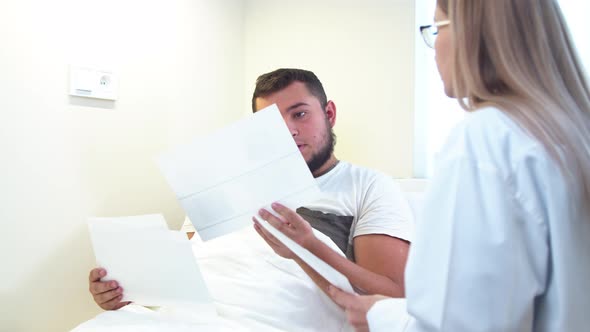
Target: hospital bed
point(252, 288)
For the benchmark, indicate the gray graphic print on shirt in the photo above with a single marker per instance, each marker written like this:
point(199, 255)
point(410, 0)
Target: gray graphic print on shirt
point(335, 227)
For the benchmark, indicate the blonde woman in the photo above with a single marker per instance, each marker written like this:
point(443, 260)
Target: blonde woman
point(504, 242)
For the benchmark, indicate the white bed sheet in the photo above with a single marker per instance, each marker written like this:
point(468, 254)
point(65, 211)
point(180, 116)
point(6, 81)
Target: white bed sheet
point(253, 290)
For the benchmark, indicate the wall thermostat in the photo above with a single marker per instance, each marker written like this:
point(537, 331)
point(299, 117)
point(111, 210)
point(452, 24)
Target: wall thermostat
point(92, 82)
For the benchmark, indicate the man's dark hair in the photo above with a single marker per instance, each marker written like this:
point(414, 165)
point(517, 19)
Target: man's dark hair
point(279, 79)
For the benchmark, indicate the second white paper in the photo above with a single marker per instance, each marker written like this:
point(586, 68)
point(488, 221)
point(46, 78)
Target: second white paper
point(153, 265)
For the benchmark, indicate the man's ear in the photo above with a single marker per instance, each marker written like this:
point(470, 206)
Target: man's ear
point(331, 112)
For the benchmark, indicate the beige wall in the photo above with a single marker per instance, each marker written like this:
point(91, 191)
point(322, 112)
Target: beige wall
point(362, 51)
point(66, 158)
point(186, 67)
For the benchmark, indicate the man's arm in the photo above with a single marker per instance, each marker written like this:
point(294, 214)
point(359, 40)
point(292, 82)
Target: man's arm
point(384, 255)
point(381, 258)
point(280, 249)
point(379, 267)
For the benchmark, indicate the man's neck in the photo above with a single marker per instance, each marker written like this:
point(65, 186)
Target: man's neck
point(326, 167)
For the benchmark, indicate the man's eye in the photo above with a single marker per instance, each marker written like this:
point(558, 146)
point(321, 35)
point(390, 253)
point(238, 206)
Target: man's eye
point(299, 115)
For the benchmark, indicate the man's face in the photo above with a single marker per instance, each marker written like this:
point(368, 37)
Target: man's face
point(310, 126)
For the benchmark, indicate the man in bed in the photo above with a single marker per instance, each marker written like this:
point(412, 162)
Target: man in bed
point(361, 210)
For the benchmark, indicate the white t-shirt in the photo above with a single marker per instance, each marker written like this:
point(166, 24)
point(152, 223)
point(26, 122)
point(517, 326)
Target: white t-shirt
point(358, 201)
point(500, 245)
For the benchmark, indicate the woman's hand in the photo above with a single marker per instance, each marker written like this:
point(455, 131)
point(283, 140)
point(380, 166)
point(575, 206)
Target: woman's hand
point(356, 306)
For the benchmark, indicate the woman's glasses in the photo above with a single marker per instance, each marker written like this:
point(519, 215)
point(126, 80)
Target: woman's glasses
point(429, 32)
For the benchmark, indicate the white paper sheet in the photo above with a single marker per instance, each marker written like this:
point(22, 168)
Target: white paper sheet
point(222, 179)
point(153, 265)
point(332, 275)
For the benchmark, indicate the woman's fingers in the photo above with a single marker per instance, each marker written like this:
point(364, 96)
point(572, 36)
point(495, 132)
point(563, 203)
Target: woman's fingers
point(356, 307)
point(340, 297)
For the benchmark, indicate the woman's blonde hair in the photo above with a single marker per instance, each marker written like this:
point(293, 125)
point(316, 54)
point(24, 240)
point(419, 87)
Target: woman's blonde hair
point(518, 56)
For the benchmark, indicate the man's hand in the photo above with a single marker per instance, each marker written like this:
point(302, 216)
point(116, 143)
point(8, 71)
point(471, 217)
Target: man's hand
point(277, 246)
point(291, 224)
point(107, 294)
point(356, 306)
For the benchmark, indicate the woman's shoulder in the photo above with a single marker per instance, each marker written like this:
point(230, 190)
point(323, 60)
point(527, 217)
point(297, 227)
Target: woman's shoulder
point(490, 136)
point(490, 121)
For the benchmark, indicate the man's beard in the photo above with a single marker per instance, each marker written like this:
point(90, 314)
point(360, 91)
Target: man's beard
point(323, 155)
